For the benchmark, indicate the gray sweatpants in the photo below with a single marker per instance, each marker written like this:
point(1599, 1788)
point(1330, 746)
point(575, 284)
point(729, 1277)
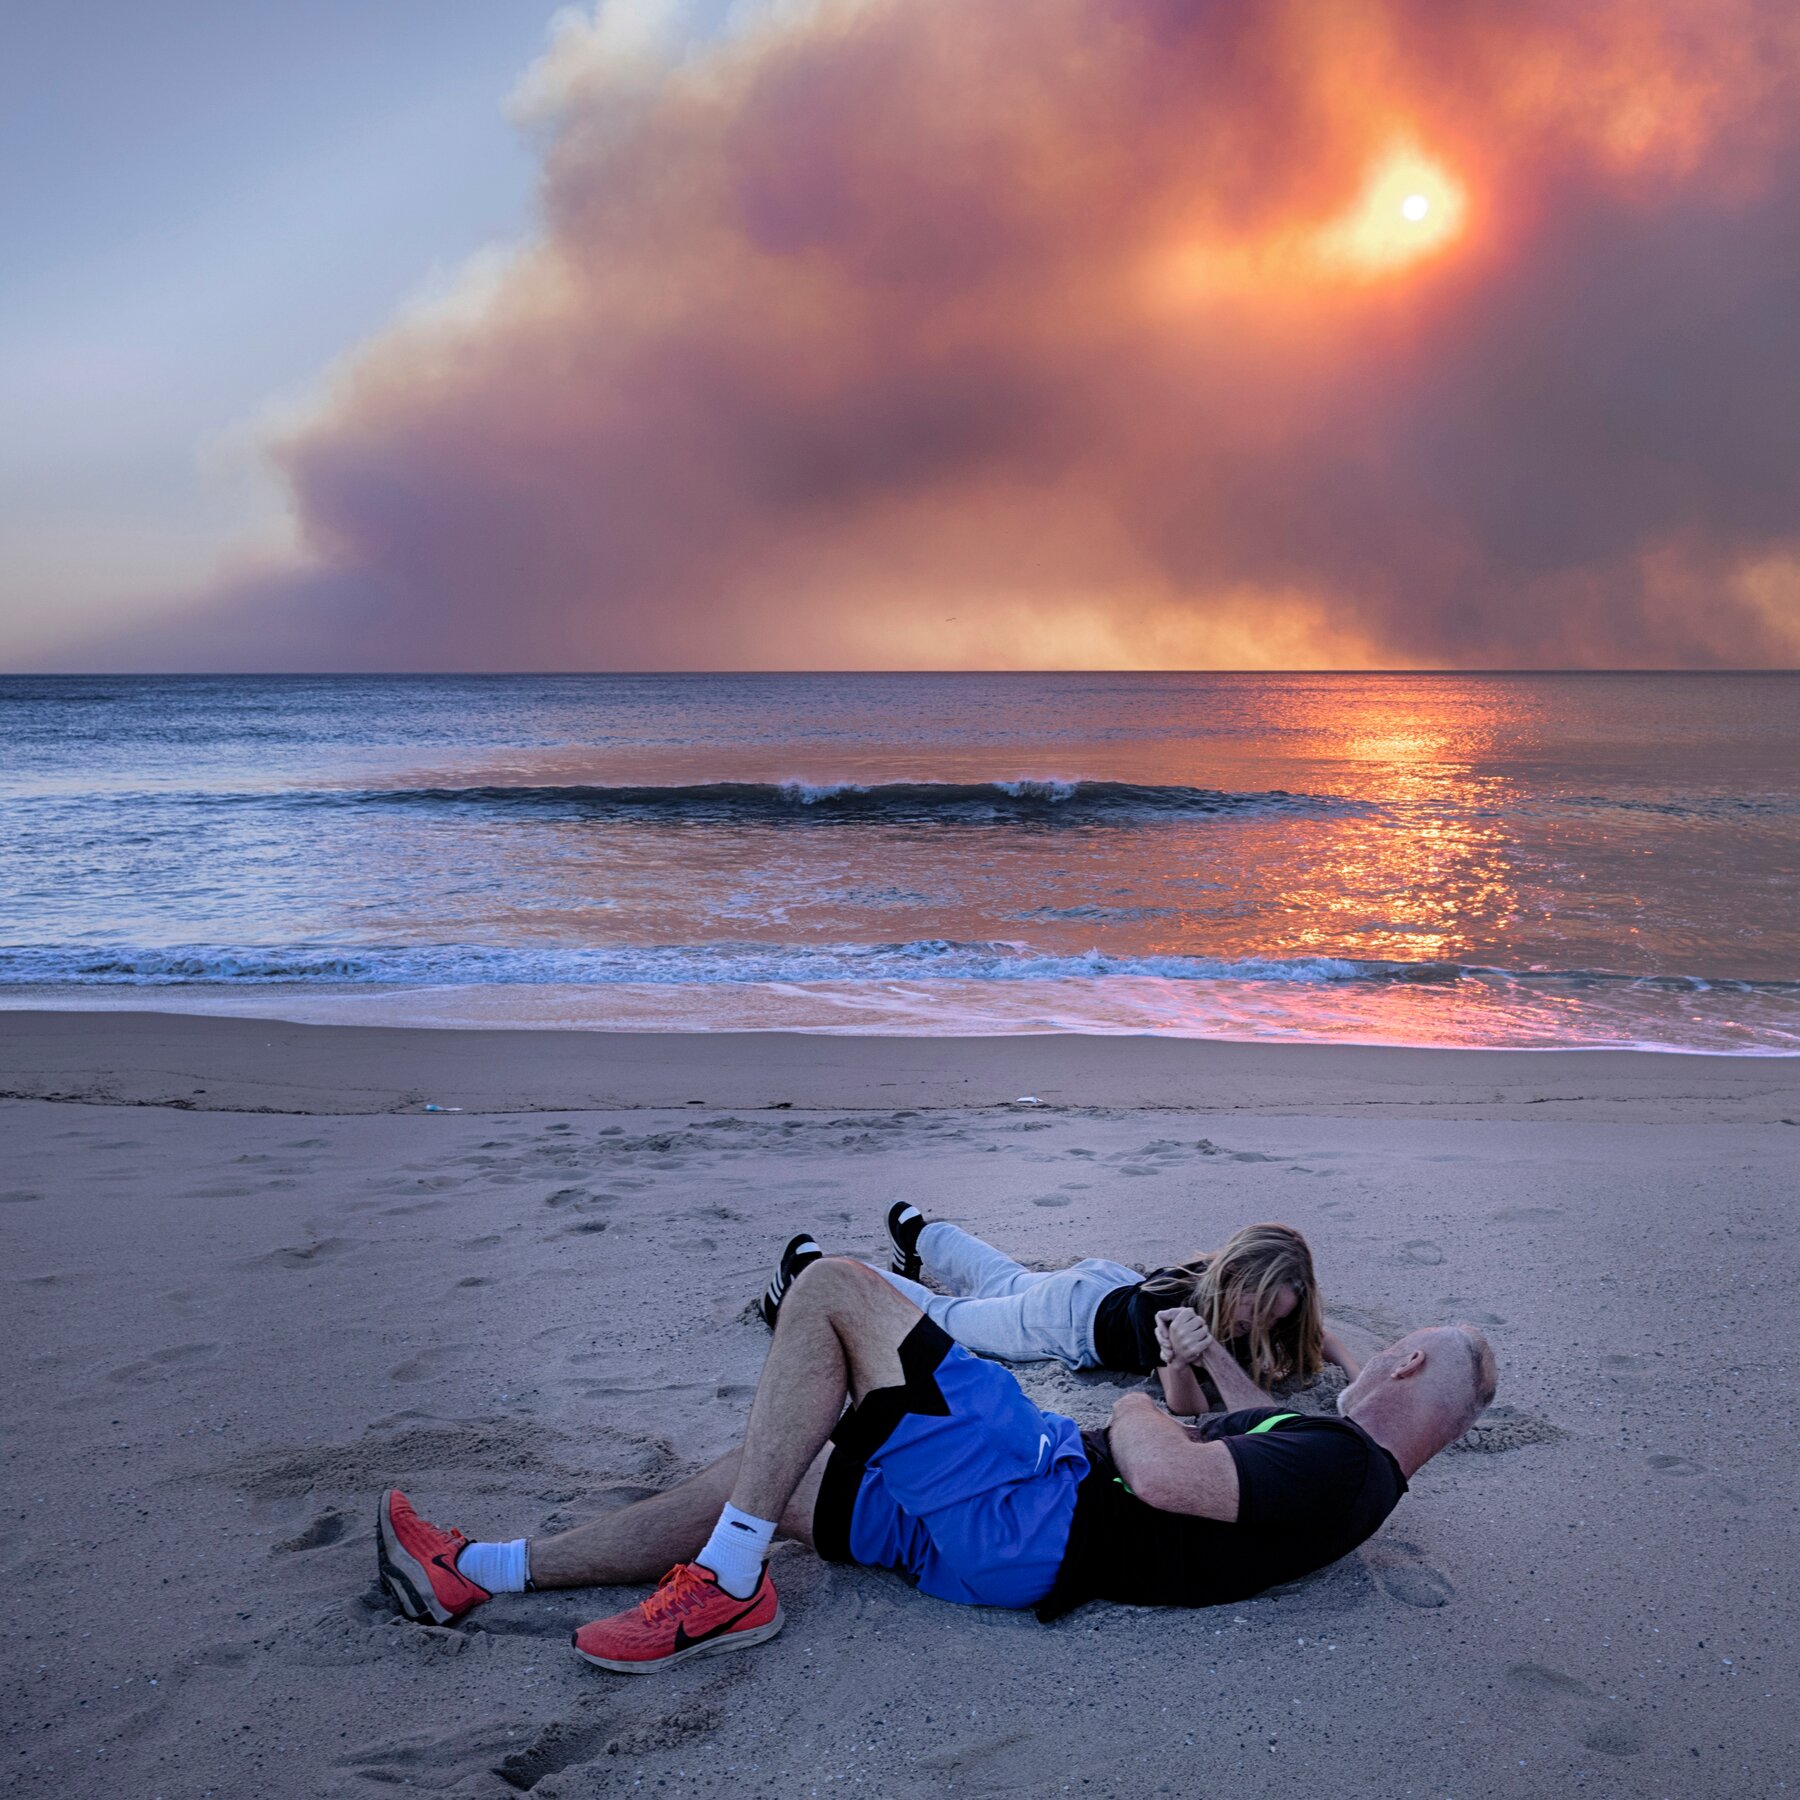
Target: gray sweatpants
point(996, 1308)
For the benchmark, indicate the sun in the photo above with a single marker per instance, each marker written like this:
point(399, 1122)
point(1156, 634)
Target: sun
point(1408, 208)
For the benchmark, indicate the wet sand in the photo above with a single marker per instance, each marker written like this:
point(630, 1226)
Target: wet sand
point(251, 1281)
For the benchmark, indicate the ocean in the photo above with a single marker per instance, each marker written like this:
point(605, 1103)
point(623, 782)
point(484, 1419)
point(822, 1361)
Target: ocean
point(1497, 860)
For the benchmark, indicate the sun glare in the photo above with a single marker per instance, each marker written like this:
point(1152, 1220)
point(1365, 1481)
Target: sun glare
point(1408, 208)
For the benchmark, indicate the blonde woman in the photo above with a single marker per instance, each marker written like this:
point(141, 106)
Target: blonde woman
point(1237, 1320)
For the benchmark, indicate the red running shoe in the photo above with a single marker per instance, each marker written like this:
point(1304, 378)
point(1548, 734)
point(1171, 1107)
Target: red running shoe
point(417, 1563)
point(688, 1615)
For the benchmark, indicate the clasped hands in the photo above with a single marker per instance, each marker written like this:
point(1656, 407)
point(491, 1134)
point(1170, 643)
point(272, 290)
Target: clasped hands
point(1183, 1336)
point(1185, 1341)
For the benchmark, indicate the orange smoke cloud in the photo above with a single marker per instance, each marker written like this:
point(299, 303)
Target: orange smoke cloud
point(937, 333)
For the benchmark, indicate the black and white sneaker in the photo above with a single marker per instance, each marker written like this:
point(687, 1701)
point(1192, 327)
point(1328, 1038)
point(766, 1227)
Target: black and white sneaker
point(904, 1223)
point(798, 1255)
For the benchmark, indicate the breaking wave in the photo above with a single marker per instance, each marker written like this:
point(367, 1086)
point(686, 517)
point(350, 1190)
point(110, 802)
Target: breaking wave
point(1035, 801)
point(671, 964)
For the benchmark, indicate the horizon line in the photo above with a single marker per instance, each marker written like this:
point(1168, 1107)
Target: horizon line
point(710, 674)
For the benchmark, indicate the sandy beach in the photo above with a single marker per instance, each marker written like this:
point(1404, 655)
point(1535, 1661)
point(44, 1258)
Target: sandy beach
point(251, 1281)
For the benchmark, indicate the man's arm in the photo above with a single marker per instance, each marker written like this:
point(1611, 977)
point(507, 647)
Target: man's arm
point(1165, 1467)
point(1236, 1389)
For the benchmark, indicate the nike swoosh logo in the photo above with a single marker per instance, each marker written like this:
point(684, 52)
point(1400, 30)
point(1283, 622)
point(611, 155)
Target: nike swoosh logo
point(684, 1642)
point(1043, 1445)
point(447, 1562)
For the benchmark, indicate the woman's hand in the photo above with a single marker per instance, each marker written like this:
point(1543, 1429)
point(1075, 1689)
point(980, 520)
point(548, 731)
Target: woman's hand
point(1188, 1344)
point(1182, 1335)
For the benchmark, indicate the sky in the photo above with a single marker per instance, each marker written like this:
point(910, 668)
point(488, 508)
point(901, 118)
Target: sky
point(901, 334)
point(202, 204)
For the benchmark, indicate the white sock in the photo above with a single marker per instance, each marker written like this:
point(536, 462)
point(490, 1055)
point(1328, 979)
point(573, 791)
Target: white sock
point(500, 1568)
point(735, 1551)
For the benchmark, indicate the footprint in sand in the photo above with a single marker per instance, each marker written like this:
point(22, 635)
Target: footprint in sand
point(161, 1362)
point(1540, 1689)
point(1403, 1574)
point(520, 1756)
point(1532, 1681)
point(1673, 1465)
point(426, 1363)
point(1461, 1308)
point(571, 1743)
point(1063, 1199)
point(325, 1529)
point(1206, 1147)
point(1422, 1251)
point(302, 1256)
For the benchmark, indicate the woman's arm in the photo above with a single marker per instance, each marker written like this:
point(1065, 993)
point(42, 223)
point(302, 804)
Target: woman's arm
point(1182, 1392)
point(1333, 1347)
point(1185, 1339)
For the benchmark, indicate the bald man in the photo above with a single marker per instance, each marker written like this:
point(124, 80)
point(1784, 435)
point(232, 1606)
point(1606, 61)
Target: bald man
point(942, 1469)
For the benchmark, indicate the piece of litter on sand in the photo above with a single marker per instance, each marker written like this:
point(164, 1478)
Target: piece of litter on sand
point(430, 1107)
point(1028, 1100)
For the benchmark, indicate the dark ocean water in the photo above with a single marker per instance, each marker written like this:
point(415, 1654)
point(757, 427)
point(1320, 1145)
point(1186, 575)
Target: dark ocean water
point(1502, 860)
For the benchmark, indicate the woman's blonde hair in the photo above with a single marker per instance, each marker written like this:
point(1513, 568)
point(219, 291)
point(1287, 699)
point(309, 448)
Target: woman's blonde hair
point(1256, 1262)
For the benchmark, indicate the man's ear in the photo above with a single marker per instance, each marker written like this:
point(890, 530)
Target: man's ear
point(1410, 1364)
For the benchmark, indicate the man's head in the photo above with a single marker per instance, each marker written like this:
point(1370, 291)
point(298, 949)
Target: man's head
point(1422, 1393)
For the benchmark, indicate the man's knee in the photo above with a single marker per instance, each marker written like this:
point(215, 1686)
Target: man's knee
point(868, 1316)
point(834, 1284)
point(854, 1298)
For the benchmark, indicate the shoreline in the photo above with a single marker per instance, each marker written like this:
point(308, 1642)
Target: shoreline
point(1721, 1019)
point(203, 1062)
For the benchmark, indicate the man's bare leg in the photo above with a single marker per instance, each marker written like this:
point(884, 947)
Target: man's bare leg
point(639, 1542)
point(839, 1333)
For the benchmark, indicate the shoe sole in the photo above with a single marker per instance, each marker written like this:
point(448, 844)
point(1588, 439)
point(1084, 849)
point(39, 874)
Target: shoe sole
point(735, 1640)
point(404, 1577)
